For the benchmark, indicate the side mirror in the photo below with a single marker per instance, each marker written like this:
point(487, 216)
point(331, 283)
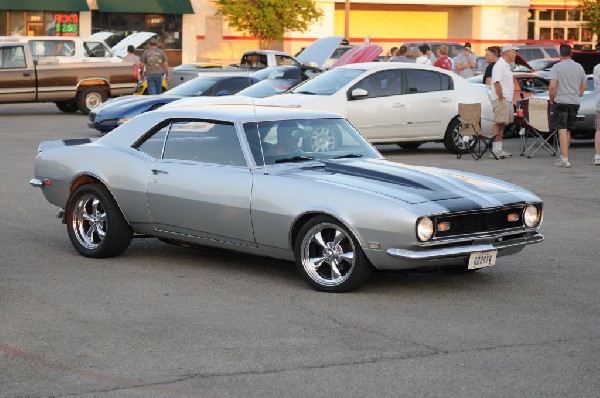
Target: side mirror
point(358, 93)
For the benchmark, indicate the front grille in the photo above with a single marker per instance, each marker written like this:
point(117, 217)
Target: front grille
point(479, 222)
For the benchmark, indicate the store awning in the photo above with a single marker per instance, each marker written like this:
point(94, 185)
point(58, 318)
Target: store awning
point(44, 5)
point(147, 6)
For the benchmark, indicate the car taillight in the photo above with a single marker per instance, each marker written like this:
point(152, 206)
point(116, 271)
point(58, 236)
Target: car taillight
point(136, 72)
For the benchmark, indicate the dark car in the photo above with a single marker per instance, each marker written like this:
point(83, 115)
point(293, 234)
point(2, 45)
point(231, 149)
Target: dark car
point(115, 112)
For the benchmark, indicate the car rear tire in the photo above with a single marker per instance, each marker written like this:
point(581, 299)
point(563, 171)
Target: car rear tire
point(96, 226)
point(67, 106)
point(89, 99)
point(453, 139)
point(329, 257)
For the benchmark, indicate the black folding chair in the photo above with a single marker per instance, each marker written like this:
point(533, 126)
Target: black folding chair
point(538, 134)
point(476, 141)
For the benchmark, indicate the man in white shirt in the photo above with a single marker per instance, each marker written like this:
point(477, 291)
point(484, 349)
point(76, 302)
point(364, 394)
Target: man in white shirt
point(502, 96)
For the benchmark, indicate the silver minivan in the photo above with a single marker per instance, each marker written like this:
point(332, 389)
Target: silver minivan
point(538, 52)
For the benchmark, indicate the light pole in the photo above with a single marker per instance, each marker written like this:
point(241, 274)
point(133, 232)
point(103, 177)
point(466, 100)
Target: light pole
point(347, 20)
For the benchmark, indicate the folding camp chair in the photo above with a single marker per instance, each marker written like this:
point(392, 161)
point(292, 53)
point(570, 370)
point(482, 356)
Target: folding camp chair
point(476, 142)
point(538, 133)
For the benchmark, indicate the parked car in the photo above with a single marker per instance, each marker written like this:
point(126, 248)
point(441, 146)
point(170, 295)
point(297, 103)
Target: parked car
point(210, 176)
point(538, 65)
point(116, 112)
point(392, 102)
point(531, 52)
point(584, 129)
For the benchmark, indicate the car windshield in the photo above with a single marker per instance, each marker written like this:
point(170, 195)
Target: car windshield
point(194, 87)
point(328, 82)
point(302, 140)
point(268, 87)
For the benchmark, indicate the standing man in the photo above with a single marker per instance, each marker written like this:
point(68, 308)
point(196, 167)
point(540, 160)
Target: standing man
point(567, 85)
point(131, 57)
point(155, 66)
point(491, 56)
point(502, 96)
point(596, 161)
point(465, 62)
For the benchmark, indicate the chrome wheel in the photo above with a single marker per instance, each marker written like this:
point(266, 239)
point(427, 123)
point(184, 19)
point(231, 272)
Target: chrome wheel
point(89, 221)
point(322, 140)
point(93, 100)
point(327, 254)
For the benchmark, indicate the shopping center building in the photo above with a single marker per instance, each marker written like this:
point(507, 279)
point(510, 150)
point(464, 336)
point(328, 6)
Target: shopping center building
point(191, 32)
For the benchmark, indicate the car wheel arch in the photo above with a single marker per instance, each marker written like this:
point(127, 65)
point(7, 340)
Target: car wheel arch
point(302, 219)
point(88, 178)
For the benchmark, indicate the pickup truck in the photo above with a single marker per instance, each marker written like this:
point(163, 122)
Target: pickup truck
point(71, 86)
point(66, 49)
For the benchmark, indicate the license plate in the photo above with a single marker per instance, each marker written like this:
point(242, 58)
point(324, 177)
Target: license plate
point(482, 259)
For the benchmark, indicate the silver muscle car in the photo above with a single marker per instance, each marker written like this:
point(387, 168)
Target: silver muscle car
point(269, 181)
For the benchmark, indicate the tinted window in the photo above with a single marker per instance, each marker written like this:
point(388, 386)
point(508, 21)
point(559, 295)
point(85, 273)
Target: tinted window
point(232, 86)
point(424, 81)
point(552, 52)
point(204, 141)
point(285, 60)
point(381, 84)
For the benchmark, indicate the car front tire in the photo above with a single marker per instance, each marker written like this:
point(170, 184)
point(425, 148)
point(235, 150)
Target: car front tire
point(453, 139)
point(329, 257)
point(96, 226)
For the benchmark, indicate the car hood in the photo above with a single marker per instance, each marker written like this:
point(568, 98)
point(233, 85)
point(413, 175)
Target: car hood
point(123, 104)
point(319, 51)
point(411, 184)
point(135, 39)
point(366, 53)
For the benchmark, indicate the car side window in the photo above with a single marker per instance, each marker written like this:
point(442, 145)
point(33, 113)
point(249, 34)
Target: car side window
point(281, 60)
point(381, 84)
point(204, 141)
point(423, 81)
point(12, 57)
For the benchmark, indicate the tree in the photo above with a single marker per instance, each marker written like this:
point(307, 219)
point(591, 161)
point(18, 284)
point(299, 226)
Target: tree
point(268, 20)
point(591, 10)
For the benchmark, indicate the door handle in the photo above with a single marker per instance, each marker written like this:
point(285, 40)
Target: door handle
point(26, 74)
point(398, 105)
point(446, 99)
point(158, 171)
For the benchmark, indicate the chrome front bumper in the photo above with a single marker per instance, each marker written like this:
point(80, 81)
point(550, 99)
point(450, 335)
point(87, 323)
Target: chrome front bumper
point(459, 251)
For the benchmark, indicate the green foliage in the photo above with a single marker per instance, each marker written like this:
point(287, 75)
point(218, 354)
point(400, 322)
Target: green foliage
point(268, 20)
point(591, 9)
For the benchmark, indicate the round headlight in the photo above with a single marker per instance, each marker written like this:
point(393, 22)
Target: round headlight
point(531, 216)
point(425, 229)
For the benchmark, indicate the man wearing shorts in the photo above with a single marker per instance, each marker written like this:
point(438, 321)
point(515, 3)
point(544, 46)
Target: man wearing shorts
point(567, 84)
point(501, 96)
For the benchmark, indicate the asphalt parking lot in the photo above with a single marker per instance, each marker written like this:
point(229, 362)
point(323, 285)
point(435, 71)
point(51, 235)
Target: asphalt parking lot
point(165, 321)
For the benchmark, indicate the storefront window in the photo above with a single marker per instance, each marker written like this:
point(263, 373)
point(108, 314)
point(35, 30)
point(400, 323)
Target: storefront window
point(545, 15)
point(573, 15)
point(3, 23)
point(560, 15)
point(17, 23)
point(558, 34)
point(573, 34)
point(545, 33)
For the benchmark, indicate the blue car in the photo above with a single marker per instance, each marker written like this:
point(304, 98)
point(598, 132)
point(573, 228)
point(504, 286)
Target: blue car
point(115, 112)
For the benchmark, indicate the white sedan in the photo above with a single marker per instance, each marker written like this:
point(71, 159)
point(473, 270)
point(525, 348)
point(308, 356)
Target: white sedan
point(392, 102)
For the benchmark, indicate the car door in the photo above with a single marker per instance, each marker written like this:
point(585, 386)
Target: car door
point(430, 103)
point(377, 107)
point(201, 185)
point(17, 79)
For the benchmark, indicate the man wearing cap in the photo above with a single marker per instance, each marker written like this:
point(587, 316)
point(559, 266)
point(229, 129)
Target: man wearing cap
point(567, 84)
point(465, 62)
point(155, 66)
point(502, 96)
